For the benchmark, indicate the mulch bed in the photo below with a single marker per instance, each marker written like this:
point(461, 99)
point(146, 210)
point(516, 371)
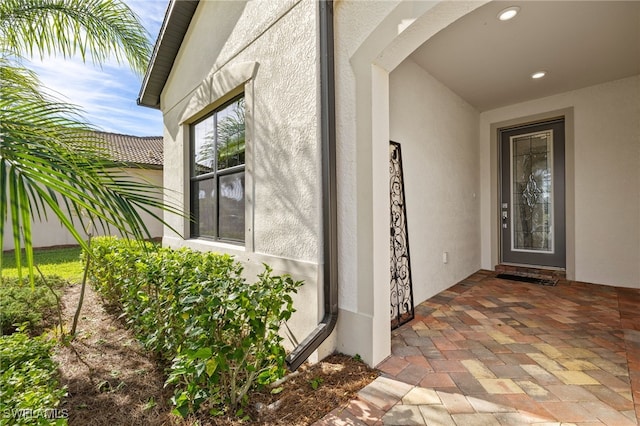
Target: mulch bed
point(111, 380)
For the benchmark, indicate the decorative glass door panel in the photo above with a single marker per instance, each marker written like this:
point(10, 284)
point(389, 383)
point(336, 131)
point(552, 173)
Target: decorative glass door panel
point(532, 192)
point(532, 195)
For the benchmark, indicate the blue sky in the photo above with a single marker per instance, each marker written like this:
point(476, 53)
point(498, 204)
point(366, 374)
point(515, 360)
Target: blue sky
point(107, 95)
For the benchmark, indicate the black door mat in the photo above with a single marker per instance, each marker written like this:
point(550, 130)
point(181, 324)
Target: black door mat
point(527, 279)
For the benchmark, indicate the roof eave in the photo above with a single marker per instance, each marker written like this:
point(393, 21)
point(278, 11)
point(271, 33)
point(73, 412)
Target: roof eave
point(141, 166)
point(174, 27)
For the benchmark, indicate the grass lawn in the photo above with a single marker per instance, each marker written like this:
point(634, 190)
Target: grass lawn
point(64, 262)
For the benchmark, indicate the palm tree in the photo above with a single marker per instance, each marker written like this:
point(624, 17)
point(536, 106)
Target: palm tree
point(49, 158)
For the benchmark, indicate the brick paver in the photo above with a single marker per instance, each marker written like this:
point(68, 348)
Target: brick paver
point(497, 352)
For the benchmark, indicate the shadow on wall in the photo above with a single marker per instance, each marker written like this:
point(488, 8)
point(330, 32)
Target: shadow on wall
point(287, 185)
point(285, 169)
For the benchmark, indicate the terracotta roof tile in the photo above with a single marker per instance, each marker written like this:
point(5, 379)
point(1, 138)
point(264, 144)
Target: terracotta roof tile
point(143, 150)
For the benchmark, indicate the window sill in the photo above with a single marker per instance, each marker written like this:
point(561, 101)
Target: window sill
point(219, 246)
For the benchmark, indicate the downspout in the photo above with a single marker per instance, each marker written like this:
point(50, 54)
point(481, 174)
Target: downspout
point(329, 207)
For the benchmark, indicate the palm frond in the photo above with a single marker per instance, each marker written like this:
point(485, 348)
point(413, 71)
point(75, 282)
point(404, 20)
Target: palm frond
point(51, 160)
point(92, 29)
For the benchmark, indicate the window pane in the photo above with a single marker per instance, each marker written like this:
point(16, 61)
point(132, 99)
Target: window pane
point(204, 200)
point(231, 209)
point(203, 147)
point(218, 145)
point(231, 135)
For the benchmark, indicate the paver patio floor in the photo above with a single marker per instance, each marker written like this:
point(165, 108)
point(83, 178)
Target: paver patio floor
point(489, 351)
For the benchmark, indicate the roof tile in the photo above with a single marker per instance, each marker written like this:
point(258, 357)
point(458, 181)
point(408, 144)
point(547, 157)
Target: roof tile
point(143, 150)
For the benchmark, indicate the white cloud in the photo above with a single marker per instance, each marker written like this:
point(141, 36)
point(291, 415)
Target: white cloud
point(151, 13)
point(107, 94)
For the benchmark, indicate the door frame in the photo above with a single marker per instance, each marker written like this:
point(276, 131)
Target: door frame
point(556, 258)
point(568, 115)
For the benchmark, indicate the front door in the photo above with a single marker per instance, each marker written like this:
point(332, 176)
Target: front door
point(532, 207)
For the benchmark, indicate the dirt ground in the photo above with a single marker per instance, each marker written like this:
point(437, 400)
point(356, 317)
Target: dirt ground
point(112, 381)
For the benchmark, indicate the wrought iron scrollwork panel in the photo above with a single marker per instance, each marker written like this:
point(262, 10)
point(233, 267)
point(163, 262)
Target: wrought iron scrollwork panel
point(401, 287)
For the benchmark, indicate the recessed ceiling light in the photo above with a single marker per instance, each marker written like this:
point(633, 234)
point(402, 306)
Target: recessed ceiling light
point(508, 13)
point(538, 74)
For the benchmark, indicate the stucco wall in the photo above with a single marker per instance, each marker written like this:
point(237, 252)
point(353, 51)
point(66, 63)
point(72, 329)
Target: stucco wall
point(373, 39)
point(49, 233)
point(268, 50)
point(354, 23)
point(607, 178)
point(438, 133)
point(274, 46)
point(218, 33)
point(283, 115)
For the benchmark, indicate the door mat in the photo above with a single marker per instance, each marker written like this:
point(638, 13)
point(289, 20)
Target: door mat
point(532, 280)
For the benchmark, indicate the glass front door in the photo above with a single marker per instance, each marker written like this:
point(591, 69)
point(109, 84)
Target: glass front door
point(532, 204)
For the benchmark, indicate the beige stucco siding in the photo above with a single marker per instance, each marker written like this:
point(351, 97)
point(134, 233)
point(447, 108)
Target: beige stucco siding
point(268, 50)
point(606, 161)
point(438, 133)
point(451, 177)
point(283, 122)
point(49, 232)
point(373, 40)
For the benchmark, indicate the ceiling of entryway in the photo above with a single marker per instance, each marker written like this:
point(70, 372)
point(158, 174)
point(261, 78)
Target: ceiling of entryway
point(578, 43)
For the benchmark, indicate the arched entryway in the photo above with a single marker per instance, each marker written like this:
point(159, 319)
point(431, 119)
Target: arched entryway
point(450, 150)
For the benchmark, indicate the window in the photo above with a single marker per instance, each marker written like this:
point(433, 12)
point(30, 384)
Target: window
point(217, 174)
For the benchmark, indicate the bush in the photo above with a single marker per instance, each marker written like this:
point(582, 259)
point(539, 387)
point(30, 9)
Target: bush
point(197, 311)
point(33, 308)
point(29, 392)
point(113, 268)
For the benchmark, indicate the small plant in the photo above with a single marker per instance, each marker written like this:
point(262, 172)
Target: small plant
point(151, 403)
point(32, 308)
point(315, 383)
point(276, 391)
point(29, 390)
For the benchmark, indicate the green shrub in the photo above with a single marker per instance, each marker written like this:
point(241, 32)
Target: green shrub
point(29, 389)
point(219, 332)
point(113, 267)
point(31, 307)
point(231, 339)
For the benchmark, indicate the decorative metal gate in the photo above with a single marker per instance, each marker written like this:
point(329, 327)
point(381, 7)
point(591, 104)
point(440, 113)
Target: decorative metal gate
point(401, 287)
